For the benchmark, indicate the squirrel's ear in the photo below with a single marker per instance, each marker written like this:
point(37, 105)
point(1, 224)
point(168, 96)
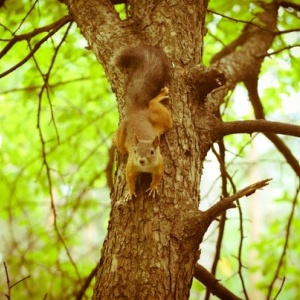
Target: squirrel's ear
point(155, 142)
point(136, 140)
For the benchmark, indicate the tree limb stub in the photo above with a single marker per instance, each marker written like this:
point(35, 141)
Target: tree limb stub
point(226, 203)
point(204, 80)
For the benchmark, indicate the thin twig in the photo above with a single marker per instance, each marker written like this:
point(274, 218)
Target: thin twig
point(285, 246)
point(282, 49)
point(28, 13)
point(224, 176)
point(20, 281)
point(7, 281)
point(87, 282)
point(35, 87)
point(9, 287)
point(280, 288)
point(44, 152)
point(239, 21)
point(240, 251)
point(34, 49)
point(28, 36)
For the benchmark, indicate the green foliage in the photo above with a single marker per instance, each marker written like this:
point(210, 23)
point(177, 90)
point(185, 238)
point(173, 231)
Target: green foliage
point(77, 116)
point(251, 158)
point(269, 251)
point(54, 142)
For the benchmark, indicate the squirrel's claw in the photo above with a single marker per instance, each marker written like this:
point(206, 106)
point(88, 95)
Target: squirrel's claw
point(151, 192)
point(130, 196)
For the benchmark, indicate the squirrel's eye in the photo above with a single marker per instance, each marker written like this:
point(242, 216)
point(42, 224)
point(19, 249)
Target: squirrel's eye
point(134, 151)
point(151, 151)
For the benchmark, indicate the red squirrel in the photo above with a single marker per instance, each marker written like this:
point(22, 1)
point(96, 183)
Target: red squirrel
point(146, 117)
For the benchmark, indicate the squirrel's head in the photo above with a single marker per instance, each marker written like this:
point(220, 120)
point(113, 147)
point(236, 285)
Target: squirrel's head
point(146, 153)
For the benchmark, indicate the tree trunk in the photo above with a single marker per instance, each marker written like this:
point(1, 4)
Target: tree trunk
point(152, 244)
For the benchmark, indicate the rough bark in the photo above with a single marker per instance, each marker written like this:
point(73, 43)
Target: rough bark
point(152, 244)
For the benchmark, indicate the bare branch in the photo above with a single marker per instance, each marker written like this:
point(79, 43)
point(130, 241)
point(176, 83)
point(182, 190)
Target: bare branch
point(86, 283)
point(28, 36)
point(64, 21)
point(268, 128)
point(245, 54)
point(251, 84)
point(206, 278)
point(28, 13)
point(282, 49)
point(225, 177)
point(280, 288)
point(287, 31)
point(240, 251)
point(259, 125)
point(35, 87)
point(9, 287)
point(287, 4)
point(43, 143)
point(237, 20)
point(19, 281)
point(226, 203)
point(7, 281)
point(2, 3)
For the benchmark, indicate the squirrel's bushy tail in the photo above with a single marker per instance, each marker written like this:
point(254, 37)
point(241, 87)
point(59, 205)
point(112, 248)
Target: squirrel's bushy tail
point(148, 71)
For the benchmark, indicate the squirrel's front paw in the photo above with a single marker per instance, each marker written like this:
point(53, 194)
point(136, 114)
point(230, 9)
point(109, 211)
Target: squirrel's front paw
point(130, 196)
point(164, 91)
point(151, 192)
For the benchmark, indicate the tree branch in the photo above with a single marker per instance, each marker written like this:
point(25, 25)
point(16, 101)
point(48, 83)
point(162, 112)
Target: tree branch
point(259, 125)
point(10, 286)
point(225, 177)
point(287, 31)
point(282, 49)
point(268, 128)
point(251, 84)
point(87, 282)
point(226, 203)
point(245, 55)
point(217, 289)
point(237, 20)
point(287, 4)
point(35, 48)
point(2, 3)
point(28, 36)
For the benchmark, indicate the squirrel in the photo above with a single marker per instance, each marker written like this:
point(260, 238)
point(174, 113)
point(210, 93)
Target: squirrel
point(146, 118)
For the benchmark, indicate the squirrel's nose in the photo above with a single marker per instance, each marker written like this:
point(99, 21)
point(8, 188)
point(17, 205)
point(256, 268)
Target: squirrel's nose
point(142, 161)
